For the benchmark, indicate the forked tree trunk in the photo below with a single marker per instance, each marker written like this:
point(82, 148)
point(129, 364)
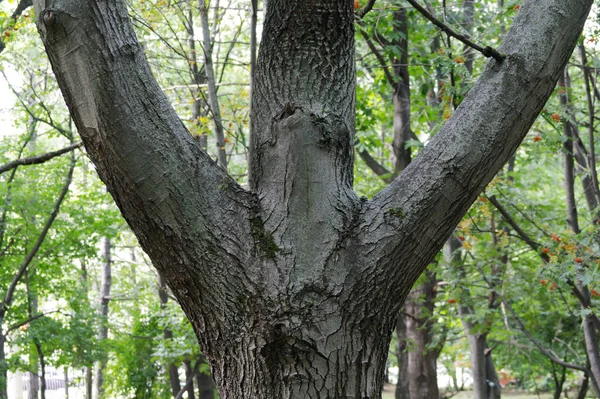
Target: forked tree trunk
point(293, 287)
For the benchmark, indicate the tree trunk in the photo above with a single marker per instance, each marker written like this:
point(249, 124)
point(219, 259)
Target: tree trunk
point(206, 385)
point(3, 364)
point(422, 367)
point(104, 300)
point(168, 335)
point(40, 353)
point(583, 388)
point(189, 376)
point(294, 287)
point(559, 381)
point(401, 96)
point(89, 382)
point(403, 384)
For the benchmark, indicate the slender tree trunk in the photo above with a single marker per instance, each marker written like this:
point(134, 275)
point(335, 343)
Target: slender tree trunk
point(189, 376)
point(42, 360)
point(468, 15)
point(559, 381)
point(89, 383)
point(583, 388)
point(197, 78)
point(206, 385)
point(168, 335)
point(422, 359)
point(104, 300)
point(403, 384)
point(66, 374)
point(88, 373)
point(212, 87)
point(3, 364)
point(34, 354)
point(401, 95)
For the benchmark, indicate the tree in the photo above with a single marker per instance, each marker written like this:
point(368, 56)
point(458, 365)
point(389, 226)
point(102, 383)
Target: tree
point(293, 286)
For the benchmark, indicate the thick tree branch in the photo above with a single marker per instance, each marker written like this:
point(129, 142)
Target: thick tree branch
point(487, 51)
point(38, 159)
point(428, 199)
point(197, 224)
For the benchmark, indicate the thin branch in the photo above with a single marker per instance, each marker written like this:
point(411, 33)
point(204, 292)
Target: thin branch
point(378, 55)
point(487, 51)
point(528, 240)
point(38, 159)
point(29, 320)
point(368, 7)
point(376, 167)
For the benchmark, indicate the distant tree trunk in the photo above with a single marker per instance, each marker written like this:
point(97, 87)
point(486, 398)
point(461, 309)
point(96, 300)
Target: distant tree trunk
point(583, 388)
point(403, 384)
point(189, 376)
point(88, 372)
point(89, 383)
point(168, 335)
point(104, 300)
point(34, 354)
point(559, 380)
point(42, 359)
point(206, 385)
point(422, 359)
point(3, 366)
point(212, 85)
point(66, 374)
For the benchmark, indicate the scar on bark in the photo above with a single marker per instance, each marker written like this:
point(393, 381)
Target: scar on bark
point(333, 130)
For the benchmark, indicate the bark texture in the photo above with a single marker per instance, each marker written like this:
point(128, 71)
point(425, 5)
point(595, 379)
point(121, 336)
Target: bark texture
point(293, 287)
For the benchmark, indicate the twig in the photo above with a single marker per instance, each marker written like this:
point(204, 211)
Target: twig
point(487, 51)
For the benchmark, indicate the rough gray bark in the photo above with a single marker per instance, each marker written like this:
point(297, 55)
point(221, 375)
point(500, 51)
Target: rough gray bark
point(103, 302)
point(293, 287)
